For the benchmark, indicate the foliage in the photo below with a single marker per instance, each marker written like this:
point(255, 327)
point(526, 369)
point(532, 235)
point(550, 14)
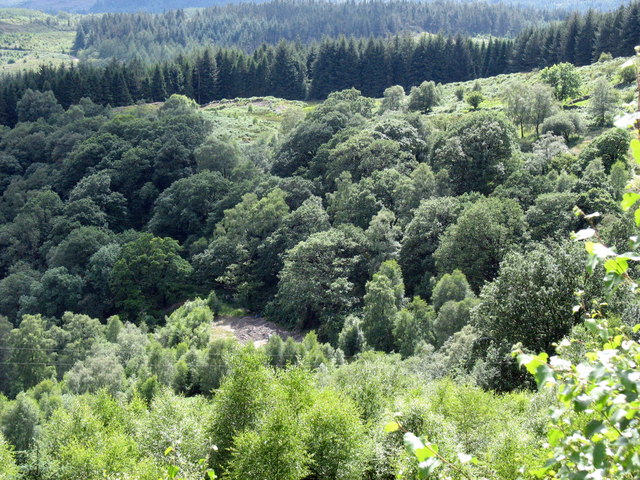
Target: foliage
point(564, 79)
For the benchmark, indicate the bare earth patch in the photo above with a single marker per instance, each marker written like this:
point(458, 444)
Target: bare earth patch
point(250, 329)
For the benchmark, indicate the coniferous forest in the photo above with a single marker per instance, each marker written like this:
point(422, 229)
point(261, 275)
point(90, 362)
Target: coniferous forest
point(319, 241)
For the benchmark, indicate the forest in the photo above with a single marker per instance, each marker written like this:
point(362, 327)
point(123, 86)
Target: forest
point(413, 240)
point(440, 218)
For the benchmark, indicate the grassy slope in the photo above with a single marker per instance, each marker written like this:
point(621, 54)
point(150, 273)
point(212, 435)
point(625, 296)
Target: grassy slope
point(493, 89)
point(250, 119)
point(30, 38)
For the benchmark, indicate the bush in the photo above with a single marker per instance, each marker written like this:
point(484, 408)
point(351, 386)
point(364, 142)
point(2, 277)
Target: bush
point(9, 469)
point(273, 451)
point(628, 74)
point(563, 125)
point(336, 438)
point(474, 99)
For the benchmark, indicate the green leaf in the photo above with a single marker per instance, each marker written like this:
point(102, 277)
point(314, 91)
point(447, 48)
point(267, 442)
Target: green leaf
point(412, 443)
point(599, 454)
point(554, 436)
point(392, 427)
point(635, 149)
point(617, 265)
point(629, 199)
point(425, 452)
point(168, 451)
point(172, 471)
point(636, 216)
point(593, 427)
point(427, 467)
point(581, 403)
point(544, 375)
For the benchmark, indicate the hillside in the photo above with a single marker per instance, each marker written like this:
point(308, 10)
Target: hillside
point(29, 39)
point(100, 6)
point(405, 256)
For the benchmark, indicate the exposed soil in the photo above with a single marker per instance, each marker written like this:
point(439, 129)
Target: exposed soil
point(250, 329)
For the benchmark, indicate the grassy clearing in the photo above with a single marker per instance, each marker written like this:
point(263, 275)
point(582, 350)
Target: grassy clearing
point(29, 38)
point(248, 119)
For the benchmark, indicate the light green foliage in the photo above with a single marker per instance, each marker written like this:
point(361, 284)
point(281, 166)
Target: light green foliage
point(101, 370)
point(619, 178)
point(452, 286)
point(9, 469)
point(564, 79)
point(591, 442)
point(351, 339)
point(412, 327)
point(424, 97)
point(30, 353)
point(382, 301)
point(239, 403)
point(452, 317)
point(383, 237)
point(78, 335)
point(532, 298)
point(372, 382)
point(217, 366)
point(190, 324)
point(336, 442)
point(19, 421)
point(364, 153)
point(565, 125)
point(180, 423)
point(628, 74)
point(88, 439)
point(474, 99)
point(611, 146)
point(603, 102)
point(274, 451)
point(394, 99)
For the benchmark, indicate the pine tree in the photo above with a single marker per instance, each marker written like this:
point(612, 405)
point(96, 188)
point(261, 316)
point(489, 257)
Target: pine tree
point(287, 74)
point(205, 87)
point(158, 85)
point(586, 40)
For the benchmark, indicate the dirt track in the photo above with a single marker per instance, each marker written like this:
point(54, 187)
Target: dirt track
point(250, 329)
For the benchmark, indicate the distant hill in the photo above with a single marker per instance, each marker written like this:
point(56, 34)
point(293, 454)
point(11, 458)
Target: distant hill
point(101, 6)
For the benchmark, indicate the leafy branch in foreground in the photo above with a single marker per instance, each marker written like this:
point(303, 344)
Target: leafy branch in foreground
point(427, 455)
point(595, 430)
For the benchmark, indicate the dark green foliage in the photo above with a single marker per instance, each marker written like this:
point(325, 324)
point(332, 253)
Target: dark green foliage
point(610, 147)
point(149, 276)
point(476, 153)
point(382, 302)
point(532, 298)
point(480, 239)
point(37, 105)
point(320, 277)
